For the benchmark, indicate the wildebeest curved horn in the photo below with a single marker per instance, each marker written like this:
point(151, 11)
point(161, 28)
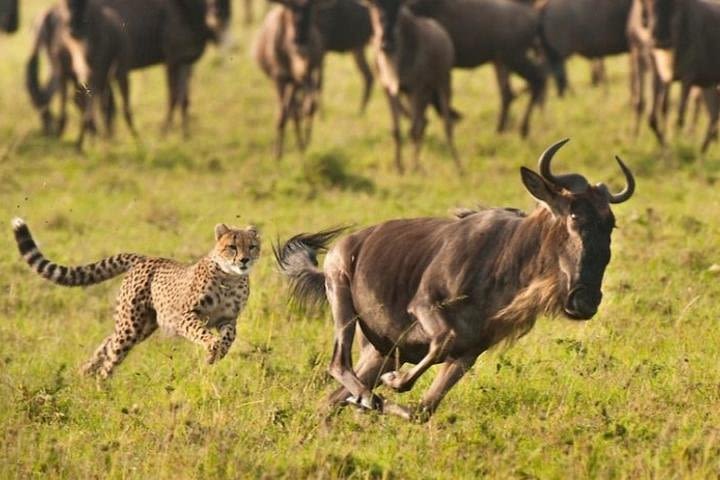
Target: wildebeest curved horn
point(571, 181)
point(629, 189)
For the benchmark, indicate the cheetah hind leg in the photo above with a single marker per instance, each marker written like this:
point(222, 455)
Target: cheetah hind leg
point(115, 348)
point(91, 366)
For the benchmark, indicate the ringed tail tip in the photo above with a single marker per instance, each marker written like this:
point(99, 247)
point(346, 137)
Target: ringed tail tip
point(18, 223)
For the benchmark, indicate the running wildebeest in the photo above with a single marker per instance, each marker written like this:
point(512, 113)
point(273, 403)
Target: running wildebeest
point(414, 56)
point(86, 48)
point(344, 26)
point(9, 15)
point(499, 31)
point(288, 49)
point(175, 33)
point(437, 290)
point(591, 28)
point(690, 30)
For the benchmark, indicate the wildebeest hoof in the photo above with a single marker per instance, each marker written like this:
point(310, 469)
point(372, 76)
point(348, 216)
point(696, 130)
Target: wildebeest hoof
point(366, 402)
point(395, 381)
point(422, 414)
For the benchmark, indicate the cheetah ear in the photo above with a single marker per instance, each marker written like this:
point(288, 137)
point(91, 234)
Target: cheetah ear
point(220, 230)
point(252, 229)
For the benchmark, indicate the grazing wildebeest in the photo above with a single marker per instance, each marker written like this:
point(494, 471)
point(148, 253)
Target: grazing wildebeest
point(344, 26)
point(414, 56)
point(591, 28)
point(9, 15)
point(289, 50)
point(690, 30)
point(175, 33)
point(87, 48)
point(499, 31)
point(437, 290)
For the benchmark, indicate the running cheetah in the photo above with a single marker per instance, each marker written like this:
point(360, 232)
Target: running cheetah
point(186, 300)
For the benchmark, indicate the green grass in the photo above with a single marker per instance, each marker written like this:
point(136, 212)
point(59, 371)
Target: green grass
point(634, 393)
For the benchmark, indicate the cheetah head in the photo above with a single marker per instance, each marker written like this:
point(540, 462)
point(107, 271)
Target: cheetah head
point(236, 249)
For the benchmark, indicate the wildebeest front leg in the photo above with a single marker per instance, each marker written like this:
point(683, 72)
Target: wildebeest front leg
point(395, 109)
point(451, 372)
point(502, 76)
point(345, 319)
point(431, 319)
point(183, 96)
point(286, 94)
point(172, 81)
point(712, 101)
point(362, 64)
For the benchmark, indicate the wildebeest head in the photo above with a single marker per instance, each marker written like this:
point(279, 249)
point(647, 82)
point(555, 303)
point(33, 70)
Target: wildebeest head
point(661, 14)
point(9, 15)
point(585, 223)
point(387, 12)
point(217, 18)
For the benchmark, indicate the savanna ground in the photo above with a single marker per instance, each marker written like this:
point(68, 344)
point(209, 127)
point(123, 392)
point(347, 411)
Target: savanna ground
point(634, 393)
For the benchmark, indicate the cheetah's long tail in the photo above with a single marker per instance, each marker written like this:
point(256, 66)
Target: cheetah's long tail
point(297, 259)
point(92, 273)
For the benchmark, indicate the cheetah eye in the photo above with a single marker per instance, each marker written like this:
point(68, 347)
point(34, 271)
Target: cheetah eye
point(232, 248)
point(253, 248)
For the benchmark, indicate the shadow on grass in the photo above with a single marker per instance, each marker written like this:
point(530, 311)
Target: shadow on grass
point(329, 171)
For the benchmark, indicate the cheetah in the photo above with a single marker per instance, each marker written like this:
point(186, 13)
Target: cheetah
point(157, 292)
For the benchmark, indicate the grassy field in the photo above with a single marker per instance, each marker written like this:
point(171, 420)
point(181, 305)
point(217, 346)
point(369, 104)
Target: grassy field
point(634, 393)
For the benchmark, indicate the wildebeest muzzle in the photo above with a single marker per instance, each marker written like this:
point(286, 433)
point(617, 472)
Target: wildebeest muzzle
point(582, 302)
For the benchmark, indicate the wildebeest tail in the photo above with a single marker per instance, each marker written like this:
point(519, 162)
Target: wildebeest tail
point(92, 273)
point(40, 96)
point(555, 61)
point(297, 259)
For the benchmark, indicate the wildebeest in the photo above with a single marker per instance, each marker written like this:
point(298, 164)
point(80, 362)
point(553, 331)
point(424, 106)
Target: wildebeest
point(175, 33)
point(288, 49)
point(344, 26)
point(591, 28)
point(499, 31)
point(87, 48)
point(690, 29)
point(437, 290)
point(414, 56)
point(9, 15)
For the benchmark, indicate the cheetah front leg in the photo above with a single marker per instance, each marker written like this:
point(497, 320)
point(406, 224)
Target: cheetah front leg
point(227, 337)
point(193, 328)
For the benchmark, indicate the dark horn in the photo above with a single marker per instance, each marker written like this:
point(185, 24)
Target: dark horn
point(629, 189)
point(546, 159)
point(571, 181)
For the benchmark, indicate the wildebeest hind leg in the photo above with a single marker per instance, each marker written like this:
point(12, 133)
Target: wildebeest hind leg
point(371, 365)
point(345, 319)
point(442, 338)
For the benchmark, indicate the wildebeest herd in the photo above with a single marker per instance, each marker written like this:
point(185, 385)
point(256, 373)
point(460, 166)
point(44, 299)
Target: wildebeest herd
point(93, 44)
point(424, 291)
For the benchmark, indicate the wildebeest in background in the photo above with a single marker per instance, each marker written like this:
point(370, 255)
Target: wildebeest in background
point(499, 31)
point(414, 56)
point(175, 33)
point(690, 29)
point(591, 28)
point(344, 26)
point(436, 290)
point(288, 49)
point(9, 15)
point(86, 48)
